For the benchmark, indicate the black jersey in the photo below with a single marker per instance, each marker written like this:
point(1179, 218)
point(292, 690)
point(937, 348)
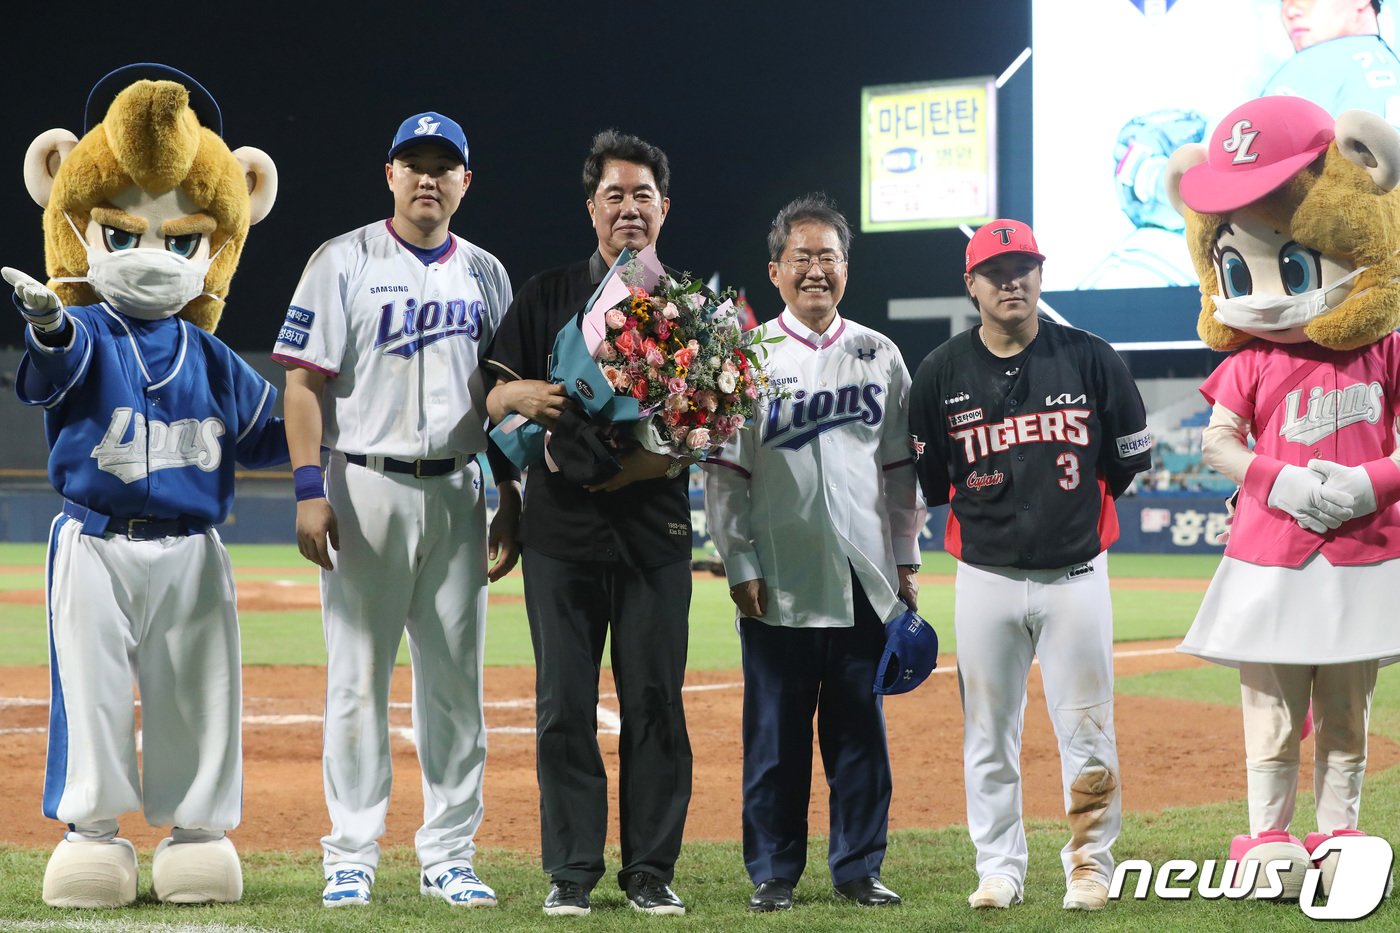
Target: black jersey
point(1031, 451)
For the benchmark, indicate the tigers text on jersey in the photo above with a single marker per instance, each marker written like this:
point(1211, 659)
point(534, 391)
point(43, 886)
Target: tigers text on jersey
point(147, 418)
point(1031, 450)
point(400, 340)
point(822, 481)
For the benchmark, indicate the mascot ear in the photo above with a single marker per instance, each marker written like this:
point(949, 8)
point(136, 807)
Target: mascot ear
point(1186, 157)
point(42, 160)
point(1372, 143)
point(262, 181)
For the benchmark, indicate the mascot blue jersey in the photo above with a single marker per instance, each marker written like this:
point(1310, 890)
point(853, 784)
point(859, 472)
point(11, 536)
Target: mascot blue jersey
point(1348, 73)
point(165, 410)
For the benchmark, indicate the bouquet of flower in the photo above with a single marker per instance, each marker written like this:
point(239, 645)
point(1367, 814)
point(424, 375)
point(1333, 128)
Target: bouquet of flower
point(650, 360)
point(682, 354)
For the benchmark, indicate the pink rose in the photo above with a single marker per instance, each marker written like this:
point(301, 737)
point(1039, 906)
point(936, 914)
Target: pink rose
point(616, 377)
point(663, 330)
point(654, 355)
point(614, 319)
point(685, 356)
point(698, 439)
point(670, 312)
point(675, 385)
point(627, 343)
point(751, 390)
point(729, 367)
point(607, 351)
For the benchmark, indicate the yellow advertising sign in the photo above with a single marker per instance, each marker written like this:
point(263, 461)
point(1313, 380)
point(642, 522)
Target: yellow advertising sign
point(928, 155)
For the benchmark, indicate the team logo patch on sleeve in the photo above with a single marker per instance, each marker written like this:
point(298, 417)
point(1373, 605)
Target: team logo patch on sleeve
point(294, 336)
point(1132, 444)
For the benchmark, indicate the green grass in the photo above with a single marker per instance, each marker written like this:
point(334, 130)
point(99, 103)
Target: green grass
point(933, 870)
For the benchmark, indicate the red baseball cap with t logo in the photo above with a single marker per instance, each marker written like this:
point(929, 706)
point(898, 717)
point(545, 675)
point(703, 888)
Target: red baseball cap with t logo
point(1255, 149)
point(1001, 236)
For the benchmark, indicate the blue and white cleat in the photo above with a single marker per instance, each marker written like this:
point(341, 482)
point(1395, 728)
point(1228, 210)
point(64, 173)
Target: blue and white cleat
point(348, 887)
point(459, 886)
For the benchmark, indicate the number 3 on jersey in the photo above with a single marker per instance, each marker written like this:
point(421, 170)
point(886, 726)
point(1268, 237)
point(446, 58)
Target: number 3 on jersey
point(1070, 463)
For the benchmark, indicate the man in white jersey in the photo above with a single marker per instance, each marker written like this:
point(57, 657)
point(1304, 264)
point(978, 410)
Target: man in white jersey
point(381, 345)
point(815, 509)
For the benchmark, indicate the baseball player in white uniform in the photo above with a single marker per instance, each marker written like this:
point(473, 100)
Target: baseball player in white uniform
point(381, 345)
point(1030, 431)
point(815, 509)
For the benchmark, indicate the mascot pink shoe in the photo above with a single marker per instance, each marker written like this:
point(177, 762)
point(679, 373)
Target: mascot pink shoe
point(1273, 845)
point(1328, 863)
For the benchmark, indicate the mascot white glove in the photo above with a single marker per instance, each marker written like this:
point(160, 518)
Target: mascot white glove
point(39, 305)
point(1352, 480)
point(1317, 507)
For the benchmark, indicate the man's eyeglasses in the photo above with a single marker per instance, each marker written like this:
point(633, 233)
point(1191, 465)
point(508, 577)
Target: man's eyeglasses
point(801, 264)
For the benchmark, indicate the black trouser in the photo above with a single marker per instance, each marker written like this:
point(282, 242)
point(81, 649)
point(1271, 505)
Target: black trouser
point(790, 674)
point(572, 605)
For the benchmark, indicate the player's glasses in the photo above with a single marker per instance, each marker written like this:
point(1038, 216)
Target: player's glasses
point(802, 264)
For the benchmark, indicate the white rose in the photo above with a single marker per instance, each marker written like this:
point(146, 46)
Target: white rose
point(727, 382)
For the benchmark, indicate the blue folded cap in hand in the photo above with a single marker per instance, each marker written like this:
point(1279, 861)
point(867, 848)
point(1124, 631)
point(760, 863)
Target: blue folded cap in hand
point(911, 654)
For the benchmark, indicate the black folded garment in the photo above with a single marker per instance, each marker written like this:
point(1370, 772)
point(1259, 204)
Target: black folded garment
point(580, 449)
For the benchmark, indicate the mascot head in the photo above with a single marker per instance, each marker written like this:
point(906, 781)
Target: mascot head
point(1293, 225)
point(150, 209)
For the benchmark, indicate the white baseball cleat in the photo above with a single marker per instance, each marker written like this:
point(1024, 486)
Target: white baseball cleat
point(197, 872)
point(994, 892)
point(458, 885)
point(91, 873)
point(1086, 894)
point(347, 887)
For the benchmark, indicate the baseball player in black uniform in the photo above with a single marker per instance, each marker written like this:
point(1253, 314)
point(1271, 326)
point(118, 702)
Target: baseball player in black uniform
point(1030, 430)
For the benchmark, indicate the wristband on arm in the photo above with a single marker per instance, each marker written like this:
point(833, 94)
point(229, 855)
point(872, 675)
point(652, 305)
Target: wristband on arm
point(309, 483)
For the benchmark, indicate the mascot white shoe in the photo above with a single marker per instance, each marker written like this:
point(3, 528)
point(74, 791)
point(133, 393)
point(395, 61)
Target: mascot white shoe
point(196, 872)
point(91, 873)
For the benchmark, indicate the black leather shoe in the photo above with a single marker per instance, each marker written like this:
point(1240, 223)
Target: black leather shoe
point(650, 895)
point(867, 892)
point(567, 899)
point(773, 894)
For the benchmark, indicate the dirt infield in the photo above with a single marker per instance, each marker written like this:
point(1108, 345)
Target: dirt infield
point(1173, 753)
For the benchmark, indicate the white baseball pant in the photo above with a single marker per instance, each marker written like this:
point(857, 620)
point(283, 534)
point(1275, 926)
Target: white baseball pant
point(161, 614)
point(1003, 619)
point(1275, 699)
point(412, 556)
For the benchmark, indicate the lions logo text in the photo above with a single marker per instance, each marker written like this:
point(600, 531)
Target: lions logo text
point(156, 445)
point(405, 329)
point(794, 422)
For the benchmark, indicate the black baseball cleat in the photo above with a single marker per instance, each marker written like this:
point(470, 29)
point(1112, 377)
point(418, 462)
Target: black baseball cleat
point(567, 899)
point(650, 895)
point(867, 892)
point(773, 894)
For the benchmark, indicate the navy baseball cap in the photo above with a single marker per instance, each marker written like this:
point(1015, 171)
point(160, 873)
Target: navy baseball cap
point(911, 654)
point(430, 127)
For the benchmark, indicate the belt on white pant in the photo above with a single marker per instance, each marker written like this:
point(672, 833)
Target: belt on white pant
point(418, 468)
